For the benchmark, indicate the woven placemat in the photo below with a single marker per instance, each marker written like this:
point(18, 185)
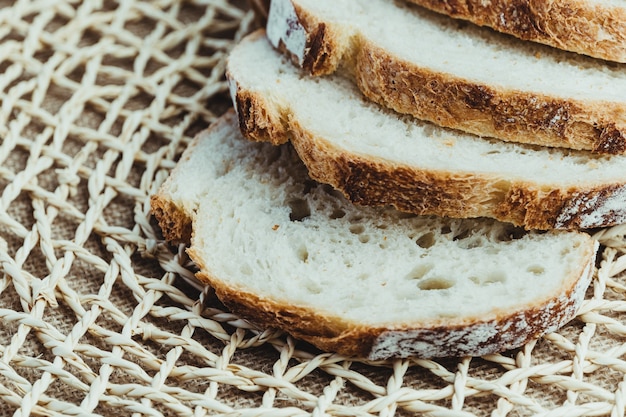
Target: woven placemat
point(99, 316)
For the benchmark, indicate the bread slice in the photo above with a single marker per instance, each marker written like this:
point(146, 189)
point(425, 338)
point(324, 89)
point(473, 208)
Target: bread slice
point(458, 75)
point(377, 158)
point(284, 251)
point(594, 28)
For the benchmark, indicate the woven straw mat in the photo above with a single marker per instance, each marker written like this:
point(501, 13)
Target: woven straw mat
point(99, 316)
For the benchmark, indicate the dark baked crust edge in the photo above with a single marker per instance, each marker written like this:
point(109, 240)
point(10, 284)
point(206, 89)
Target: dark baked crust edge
point(174, 221)
point(571, 25)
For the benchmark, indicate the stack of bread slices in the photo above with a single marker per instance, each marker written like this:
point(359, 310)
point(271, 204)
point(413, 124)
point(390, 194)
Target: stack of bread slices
point(394, 182)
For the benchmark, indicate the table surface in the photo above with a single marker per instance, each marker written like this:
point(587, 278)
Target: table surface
point(99, 316)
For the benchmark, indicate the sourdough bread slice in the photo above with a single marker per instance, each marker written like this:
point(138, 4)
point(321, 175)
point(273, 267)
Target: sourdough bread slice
point(458, 75)
point(594, 28)
point(377, 158)
point(284, 251)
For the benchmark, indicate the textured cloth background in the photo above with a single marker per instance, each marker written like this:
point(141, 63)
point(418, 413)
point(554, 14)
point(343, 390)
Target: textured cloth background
point(98, 316)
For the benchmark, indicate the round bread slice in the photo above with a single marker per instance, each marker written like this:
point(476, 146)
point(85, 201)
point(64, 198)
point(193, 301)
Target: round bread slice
point(284, 251)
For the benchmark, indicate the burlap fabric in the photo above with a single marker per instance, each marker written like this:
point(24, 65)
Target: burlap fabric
point(98, 316)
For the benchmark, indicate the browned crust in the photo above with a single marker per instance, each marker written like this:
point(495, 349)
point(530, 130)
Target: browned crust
point(255, 122)
point(423, 192)
point(329, 334)
point(485, 110)
point(461, 104)
point(571, 25)
point(324, 47)
point(430, 192)
point(430, 339)
point(174, 221)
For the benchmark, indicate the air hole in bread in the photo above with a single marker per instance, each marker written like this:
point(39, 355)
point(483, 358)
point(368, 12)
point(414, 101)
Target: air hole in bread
point(337, 214)
point(461, 234)
point(513, 233)
point(299, 209)
point(303, 254)
point(245, 269)
point(592, 162)
point(363, 238)
point(357, 229)
point(313, 288)
point(471, 243)
point(331, 191)
point(426, 240)
point(435, 284)
point(355, 218)
point(429, 130)
point(309, 185)
point(494, 277)
point(536, 269)
point(420, 271)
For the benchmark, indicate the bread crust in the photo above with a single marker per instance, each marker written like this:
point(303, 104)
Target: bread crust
point(485, 110)
point(573, 25)
point(255, 121)
point(470, 336)
point(424, 192)
point(454, 102)
point(174, 221)
point(420, 191)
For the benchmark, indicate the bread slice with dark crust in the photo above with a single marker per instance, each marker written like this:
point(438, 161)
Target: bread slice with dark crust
point(284, 251)
point(461, 76)
point(597, 29)
point(377, 158)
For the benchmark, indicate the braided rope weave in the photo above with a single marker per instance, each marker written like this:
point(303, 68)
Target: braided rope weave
point(98, 316)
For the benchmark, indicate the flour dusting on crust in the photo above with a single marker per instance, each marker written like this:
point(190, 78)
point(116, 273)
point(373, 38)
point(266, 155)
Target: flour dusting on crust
point(284, 26)
point(597, 209)
point(483, 338)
